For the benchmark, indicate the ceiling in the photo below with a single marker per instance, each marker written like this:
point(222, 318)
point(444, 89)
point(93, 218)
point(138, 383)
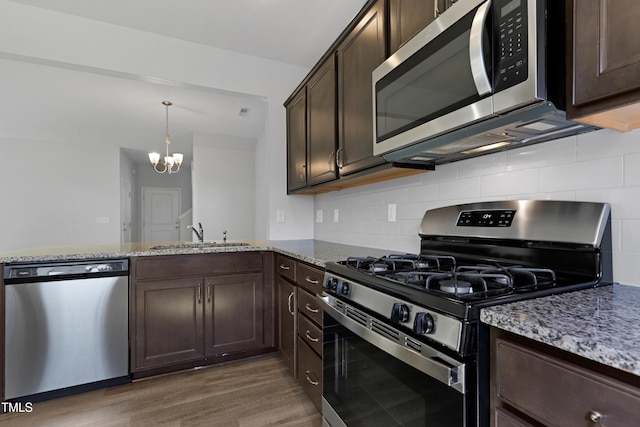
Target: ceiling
point(54, 102)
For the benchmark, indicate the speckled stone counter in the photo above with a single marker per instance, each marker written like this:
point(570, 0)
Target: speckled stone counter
point(598, 324)
point(316, 252)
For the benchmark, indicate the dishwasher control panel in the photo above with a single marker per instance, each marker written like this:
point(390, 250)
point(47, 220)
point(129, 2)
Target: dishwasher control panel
point(118, 267)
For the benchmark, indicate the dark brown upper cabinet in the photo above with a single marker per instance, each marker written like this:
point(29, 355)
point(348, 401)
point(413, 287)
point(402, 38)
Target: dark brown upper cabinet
point(604, 85)
point(363, 49)
point(408, 17)
point(311, 130)
point(321, 124)
point(297, 141)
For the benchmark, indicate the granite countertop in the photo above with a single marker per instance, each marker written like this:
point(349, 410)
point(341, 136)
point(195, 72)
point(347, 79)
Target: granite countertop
point(597, 324)
point(315, 252)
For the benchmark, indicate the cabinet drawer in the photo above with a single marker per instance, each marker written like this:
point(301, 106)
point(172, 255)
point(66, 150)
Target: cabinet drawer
point(286, 267)
point(558, 393)
point(163, 267)
point(310, 333)
point(310, 373)
point(507, 419)
point(309, 278)
point(308, 306)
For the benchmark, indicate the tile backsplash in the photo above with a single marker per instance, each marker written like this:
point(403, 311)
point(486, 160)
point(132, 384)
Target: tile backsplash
point(602, 166)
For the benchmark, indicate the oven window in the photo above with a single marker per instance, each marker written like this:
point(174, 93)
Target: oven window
point(365, 386)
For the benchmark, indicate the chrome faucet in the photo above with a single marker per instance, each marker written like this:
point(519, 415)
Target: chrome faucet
point(200, 233)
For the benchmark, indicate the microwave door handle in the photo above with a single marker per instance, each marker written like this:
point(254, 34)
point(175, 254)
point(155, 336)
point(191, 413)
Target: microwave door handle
point(476, 51)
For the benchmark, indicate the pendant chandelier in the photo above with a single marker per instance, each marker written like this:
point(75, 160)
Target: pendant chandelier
point(169, 161)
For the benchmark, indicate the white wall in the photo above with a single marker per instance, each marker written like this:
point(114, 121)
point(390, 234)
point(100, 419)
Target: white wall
point(56, 39)
point(601, 166)
point(224, 179)
point(58, 194)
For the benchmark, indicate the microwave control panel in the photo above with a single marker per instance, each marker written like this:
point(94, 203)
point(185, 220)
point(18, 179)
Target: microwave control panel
point(512, 24)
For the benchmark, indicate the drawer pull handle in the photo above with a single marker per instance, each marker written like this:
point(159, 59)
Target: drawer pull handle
point(310, 338)
point(596, 417)
point(310, 280)
point(312, 382)
point(199, 294)
point(311, 309)
point(285, 267)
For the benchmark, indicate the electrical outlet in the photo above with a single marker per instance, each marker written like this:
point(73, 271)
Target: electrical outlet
point(280, 215)
point(319, 215)
point(336, 215)
point(391, 212)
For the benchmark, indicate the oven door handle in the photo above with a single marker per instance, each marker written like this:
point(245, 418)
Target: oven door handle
point(433, 363)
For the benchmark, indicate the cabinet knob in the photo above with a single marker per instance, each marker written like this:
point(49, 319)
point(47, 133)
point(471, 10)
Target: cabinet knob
point(596, 417)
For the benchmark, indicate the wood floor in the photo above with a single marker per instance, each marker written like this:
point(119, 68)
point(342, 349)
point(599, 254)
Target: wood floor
point(254, 392)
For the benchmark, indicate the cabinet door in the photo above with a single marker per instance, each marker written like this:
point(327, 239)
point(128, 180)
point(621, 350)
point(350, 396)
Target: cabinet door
point(233, 313)
point(408, 17)
point(168, 316)
point(297, 142)
point(321, 124)
point(286, 297)
point(606, 55)
point(358, 55)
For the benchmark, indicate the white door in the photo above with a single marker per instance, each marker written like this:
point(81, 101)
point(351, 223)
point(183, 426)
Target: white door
point(160, 211)
point(125, 213)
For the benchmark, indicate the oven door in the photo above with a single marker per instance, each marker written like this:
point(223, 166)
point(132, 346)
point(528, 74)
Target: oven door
point(371, 380)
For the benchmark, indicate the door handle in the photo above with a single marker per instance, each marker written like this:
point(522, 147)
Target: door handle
point(476, 50)
point(289, 304)
point(208, 292)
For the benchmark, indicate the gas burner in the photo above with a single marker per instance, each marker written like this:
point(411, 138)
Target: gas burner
point(394, 263)
point(456, 287)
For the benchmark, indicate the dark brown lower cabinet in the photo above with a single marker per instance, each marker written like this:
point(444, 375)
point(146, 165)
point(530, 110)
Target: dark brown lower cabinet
point(169, 322)
point(286, 297)
point(233, 313)
point(533, 385)
point(182, 322)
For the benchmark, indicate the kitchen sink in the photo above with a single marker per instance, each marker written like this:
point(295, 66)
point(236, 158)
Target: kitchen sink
point(199, 245)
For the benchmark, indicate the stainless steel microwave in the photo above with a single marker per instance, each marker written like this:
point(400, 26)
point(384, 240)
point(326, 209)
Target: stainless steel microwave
point(486, 75)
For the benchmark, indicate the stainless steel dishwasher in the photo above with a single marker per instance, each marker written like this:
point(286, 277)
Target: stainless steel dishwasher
point(66, 327)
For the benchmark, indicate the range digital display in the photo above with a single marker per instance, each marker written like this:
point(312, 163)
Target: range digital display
point(489, 218)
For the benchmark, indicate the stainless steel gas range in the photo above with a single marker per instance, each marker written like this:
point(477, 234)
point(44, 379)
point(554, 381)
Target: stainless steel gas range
point(402, 340)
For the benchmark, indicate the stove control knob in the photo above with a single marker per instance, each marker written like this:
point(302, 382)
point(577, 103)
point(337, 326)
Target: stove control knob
point(423, 323)
point(331, 284)
point(343, 288)
point(399, 313)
